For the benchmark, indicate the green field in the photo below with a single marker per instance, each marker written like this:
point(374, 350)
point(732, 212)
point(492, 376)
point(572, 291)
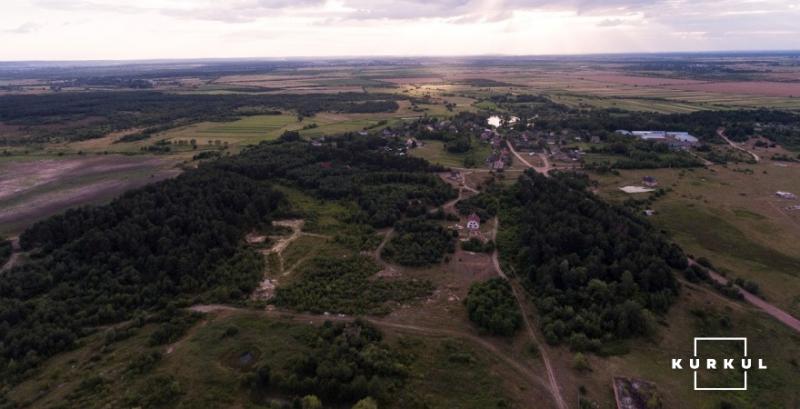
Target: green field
point(732, 218)
point(434, 152)
point(204, 369)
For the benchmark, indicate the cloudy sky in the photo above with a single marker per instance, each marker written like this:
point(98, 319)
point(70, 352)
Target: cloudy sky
point(127, 29)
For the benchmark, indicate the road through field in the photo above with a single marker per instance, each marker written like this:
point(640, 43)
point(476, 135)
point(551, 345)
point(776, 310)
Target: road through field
point(545, 170)
point(777, 313)
point(381, 323)
point(721, 133)
point(555, 389)
point(12, 261)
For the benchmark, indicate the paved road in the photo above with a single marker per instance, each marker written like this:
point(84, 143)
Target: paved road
point(721, 133)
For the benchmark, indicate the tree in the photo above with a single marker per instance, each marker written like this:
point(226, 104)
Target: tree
point(366, 403)
point(581, 363)
point(311, 402)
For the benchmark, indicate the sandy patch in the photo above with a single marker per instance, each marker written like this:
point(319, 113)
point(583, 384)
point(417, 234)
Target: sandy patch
point(636, 189)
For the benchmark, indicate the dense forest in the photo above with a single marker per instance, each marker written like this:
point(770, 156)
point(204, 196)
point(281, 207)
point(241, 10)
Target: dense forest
point(5, 250)
point(385, 187)
point(347, 362)
point(418, 242)
point(181, 241)
point(178, 239)
point(491, 305)
point(58, 117)
point(598, 272)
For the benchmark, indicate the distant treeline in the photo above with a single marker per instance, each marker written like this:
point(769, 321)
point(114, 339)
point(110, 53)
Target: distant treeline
point(780, 126)
point(385, 187)
point(79, 116)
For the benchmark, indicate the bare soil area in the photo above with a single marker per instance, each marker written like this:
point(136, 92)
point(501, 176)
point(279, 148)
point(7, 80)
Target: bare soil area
point(34, 189)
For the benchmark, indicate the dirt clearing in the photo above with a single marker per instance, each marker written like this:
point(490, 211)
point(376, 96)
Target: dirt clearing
point(32, 189)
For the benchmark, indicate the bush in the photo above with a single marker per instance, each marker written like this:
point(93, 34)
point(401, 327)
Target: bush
point(418, 243)
point(492, 306)
point(157, 392)
point(580, 363)
point(476, 245)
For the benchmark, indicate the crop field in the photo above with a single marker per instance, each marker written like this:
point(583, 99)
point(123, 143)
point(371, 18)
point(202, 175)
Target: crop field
point(33, 188)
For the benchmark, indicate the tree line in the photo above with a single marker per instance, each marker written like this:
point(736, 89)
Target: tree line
point(95, 114)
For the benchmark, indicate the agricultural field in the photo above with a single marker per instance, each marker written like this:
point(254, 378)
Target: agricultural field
point(34, 188)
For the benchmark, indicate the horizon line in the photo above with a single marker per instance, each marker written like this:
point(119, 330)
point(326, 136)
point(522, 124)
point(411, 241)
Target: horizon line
point(391, 56)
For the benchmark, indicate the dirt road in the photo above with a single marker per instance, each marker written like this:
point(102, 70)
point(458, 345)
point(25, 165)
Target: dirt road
point(777, 313)
point(380, 323)
point(15, 254)
point(721, 133)
point(555, 389)
point(545, 170)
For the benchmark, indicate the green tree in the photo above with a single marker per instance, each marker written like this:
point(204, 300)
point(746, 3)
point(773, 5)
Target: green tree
point(366, 403)
point(311, 402)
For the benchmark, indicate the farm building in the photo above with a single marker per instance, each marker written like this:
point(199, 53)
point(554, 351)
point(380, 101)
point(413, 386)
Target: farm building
point(676, 139)
point(649, 181)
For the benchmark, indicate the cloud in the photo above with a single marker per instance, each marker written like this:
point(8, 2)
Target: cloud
point(611, 22)
point(24, 28)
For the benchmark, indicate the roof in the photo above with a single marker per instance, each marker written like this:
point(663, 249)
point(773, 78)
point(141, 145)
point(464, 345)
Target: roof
point(474, 218)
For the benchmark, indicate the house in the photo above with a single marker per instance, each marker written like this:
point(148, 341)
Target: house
point(474, 222)
point(498, 165)
point(649, 181)
point(786, 195)
point(455, 175)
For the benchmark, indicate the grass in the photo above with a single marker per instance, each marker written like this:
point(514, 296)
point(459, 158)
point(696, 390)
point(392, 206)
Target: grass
point(450, 374)
point(206, 367)
point(697, 314)
point(245, 131)
point(434, 152)
point(732, 218)
point(321, 216)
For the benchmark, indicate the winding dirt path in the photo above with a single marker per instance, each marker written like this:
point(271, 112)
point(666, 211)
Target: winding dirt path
point(721, 133)
point(545, 170)
point(555, 389)
point(437, 332)
point(15, 254)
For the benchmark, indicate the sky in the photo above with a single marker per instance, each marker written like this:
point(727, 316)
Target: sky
point(147, 29)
